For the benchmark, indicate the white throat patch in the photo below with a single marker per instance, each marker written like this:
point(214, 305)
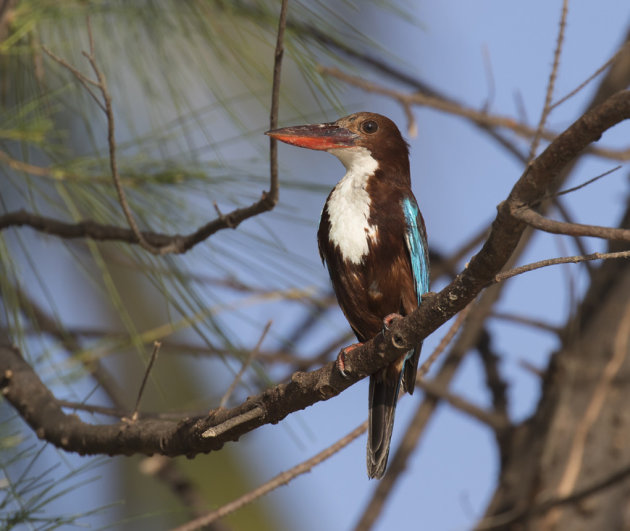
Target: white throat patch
point(349, 204)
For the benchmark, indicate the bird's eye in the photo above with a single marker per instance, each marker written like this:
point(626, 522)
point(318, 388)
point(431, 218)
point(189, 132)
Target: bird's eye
point(369, 127)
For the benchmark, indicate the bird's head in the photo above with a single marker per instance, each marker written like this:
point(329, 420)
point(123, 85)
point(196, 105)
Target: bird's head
point(351, 139)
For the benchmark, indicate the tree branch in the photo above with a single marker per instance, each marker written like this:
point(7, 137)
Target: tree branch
point(281, 479)
point(500, 277)
point(534, 219)
point(494, 420)
point(481, 118)
point(161, 243)
point(175, 243)
point(552, 80)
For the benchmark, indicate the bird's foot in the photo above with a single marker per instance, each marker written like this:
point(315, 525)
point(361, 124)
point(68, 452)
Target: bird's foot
point(341, 361)
point(389, 319)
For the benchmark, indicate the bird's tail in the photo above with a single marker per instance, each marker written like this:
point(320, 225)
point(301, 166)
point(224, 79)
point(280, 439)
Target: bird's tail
point(383, 397)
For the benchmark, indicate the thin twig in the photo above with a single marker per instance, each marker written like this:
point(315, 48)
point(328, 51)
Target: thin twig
point(552, 80)
point(106, 107)
point(156, 348)
point(586, 183)
point(504, 275)
point(534, 219)
point(576, 188)
point(111, 141)
point(221, 215)
point(579, 242)
point(81, 78)
point(577, 89)
point(281, 479)
point(246, 364)
point(275, 104)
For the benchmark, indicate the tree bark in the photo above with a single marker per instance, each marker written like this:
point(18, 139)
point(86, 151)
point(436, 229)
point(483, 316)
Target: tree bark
point(568, 466)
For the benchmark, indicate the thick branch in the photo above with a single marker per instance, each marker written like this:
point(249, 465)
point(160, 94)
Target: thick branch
point(21, 386)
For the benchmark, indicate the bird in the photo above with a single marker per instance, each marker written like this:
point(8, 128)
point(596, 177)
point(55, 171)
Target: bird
point(372, 239)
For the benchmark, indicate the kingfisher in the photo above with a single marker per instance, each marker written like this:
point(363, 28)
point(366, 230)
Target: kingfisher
point(373, 241)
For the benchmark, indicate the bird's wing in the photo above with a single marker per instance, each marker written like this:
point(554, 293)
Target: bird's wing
point(416, 239)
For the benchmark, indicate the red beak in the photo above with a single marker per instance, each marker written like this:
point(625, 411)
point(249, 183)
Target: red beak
point(317, 136)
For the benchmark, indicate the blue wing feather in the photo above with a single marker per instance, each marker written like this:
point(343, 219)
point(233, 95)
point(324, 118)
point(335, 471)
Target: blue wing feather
point(417, 245)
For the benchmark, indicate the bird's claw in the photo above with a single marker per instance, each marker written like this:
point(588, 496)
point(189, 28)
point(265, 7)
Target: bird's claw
point(389, 319)
point(341, 362)
point(341, 366)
